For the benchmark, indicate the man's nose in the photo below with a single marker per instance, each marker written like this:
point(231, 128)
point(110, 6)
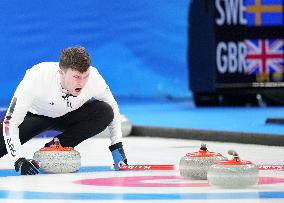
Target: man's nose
point(81, 81)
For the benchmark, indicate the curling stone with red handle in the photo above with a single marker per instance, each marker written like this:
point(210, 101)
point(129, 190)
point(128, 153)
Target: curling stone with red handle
point(195, 165)
point(58, 159)
point(235, 173)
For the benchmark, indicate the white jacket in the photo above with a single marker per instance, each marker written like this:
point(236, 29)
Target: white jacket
point(40, 93)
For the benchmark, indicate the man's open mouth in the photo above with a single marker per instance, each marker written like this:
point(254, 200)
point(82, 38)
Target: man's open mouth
point(78, 89)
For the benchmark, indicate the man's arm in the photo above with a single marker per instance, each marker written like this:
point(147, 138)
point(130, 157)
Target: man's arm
point(116, 147)
point(102, 92)
point(15, 115)
point(11, 132)
point(115, 126)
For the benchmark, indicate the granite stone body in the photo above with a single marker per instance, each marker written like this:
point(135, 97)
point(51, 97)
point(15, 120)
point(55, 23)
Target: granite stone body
point(58, 159)
point(235, 173)
point(195, 165)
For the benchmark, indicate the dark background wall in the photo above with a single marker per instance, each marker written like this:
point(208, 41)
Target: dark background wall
point(138, 46)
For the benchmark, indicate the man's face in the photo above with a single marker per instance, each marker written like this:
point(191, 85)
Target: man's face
point(73, 81)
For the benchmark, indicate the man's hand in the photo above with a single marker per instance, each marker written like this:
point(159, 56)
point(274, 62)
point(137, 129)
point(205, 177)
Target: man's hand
point(118, 155)
point(26, 167)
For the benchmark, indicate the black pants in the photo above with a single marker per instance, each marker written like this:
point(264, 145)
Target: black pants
point(76, 126)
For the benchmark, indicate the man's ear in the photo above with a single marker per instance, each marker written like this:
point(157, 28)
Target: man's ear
point(61, 71)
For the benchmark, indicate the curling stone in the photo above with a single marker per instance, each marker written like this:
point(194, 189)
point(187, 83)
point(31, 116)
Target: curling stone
point(126, 127)
point(235, 173)
point(58, 159)
point(195, 165)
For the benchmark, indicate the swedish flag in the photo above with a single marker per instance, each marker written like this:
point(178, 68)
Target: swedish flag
point(264, 12)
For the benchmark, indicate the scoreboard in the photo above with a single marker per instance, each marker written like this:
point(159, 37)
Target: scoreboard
point(236, 47)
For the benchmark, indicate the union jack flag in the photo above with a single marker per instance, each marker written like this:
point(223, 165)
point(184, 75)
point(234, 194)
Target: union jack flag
point(264, 56)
